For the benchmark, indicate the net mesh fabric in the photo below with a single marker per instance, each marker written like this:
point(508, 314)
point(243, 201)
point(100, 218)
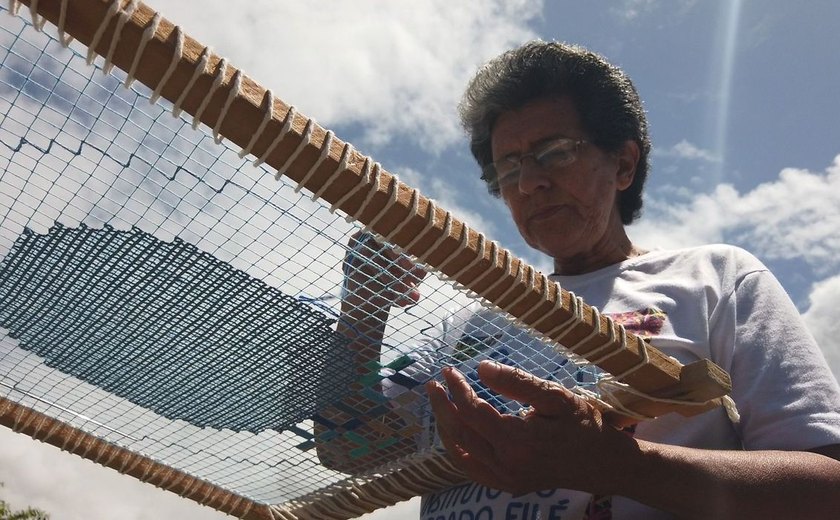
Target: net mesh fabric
point(190, 262)
point(170, 328)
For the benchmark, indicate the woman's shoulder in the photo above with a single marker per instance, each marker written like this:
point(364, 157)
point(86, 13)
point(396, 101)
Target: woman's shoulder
point(721, 257)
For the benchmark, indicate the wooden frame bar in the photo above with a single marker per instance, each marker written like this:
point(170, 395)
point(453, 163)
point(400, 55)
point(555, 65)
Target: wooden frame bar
point(44, 428)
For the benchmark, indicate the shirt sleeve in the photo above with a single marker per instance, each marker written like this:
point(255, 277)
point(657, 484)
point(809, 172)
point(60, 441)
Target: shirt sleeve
point(786, 395)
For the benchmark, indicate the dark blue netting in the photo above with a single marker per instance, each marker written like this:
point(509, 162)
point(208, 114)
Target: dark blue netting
point(170, 328)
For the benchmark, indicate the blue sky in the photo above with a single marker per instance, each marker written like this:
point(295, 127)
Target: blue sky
point(741, 98)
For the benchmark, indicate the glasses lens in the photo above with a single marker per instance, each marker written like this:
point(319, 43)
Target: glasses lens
point(556, 153)
point(500, 172)
point(507, 171)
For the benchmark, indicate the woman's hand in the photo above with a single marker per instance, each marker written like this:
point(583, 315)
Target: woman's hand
point(561, 442)
point(377, 276)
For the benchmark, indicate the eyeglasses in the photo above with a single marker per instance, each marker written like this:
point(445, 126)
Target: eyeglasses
point(549, 156)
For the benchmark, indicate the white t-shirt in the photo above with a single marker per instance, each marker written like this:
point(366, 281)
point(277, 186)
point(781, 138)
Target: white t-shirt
point(716, 302)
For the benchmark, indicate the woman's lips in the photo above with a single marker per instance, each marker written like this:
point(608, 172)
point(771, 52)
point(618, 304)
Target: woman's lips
point(545, 213)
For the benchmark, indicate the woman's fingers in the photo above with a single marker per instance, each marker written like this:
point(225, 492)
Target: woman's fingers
point(545, 397)
point(379, 275)
point(462, 440)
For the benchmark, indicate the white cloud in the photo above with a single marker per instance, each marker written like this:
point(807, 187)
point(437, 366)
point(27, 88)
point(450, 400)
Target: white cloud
point(823, 319)
point(687, 150)
point(631, 10)
point(796, 216)
point(401, 511)
point(395, 68)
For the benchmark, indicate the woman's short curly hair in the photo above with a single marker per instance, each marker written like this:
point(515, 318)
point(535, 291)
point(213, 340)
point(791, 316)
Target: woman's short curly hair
point(610, 109)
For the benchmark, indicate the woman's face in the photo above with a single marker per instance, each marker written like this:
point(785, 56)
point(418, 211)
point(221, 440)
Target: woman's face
point(570, 211)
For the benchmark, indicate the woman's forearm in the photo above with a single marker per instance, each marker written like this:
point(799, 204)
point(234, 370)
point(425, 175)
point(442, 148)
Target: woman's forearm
point(695, 483)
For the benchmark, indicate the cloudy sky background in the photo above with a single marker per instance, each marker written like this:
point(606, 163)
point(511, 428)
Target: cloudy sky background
point(742, 102)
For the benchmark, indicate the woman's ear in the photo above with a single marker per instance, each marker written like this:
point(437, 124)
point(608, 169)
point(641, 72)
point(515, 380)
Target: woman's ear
point(628, 158)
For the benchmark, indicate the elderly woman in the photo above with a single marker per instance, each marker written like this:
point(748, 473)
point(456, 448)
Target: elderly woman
point(561, 137)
